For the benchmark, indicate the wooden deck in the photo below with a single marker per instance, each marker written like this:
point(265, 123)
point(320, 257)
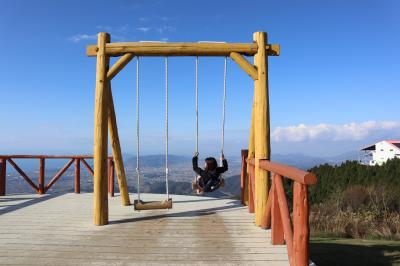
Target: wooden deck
point(57, 229)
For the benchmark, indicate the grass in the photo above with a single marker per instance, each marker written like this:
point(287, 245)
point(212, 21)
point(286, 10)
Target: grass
point(339, 251)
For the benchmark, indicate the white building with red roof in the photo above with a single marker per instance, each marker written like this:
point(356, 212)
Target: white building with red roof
point(380, 152)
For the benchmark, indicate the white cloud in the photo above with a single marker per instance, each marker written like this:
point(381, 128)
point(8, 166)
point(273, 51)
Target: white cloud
point(82, 37)
point(143, 29)
point(163, 29)
point(351, 131)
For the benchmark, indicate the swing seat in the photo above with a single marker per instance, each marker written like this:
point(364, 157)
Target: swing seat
point(152, 205)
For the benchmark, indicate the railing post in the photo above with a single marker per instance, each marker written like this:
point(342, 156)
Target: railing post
point(300, 224)
point(277, 237)
point(41, 176)
point(77, 175)
point(251, 189)
point(111, 176)
point(243, 179)
point(3, 172)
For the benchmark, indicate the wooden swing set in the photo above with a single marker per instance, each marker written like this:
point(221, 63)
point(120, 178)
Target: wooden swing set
point(105, 118)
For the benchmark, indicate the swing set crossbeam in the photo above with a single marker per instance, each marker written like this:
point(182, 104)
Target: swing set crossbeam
point(182, 49)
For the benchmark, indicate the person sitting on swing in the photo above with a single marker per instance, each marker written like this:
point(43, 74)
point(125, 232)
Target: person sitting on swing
point(209, 179)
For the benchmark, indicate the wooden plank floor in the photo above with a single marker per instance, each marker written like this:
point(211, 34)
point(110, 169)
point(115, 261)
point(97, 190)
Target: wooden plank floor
point(57, 229)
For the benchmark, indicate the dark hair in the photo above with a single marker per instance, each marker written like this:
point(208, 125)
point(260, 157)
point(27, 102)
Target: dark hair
point(211, 163)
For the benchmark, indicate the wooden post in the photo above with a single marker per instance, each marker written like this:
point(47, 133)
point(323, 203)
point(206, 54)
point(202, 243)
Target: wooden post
point(116, 150)
point(41, 176)
point(250, 155)
point(251, 189)
point(243, 175)
point(261, 123)
point(266, 224)
point(77, 175)
point(277, 237)
point(300, 224)
point(100, 182)
point(3, 173)
point(111, 175)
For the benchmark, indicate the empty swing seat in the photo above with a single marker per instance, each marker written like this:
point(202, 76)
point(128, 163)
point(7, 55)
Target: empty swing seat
point(152, 205)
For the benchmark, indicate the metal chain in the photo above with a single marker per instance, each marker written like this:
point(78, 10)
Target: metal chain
point(166, 127)
point(223, 111)
point(197, 110)
point(197, 104)
point(137, 130)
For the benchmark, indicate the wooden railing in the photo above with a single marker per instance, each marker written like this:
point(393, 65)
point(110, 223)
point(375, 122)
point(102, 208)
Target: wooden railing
point(277, 216)
point(40, 187)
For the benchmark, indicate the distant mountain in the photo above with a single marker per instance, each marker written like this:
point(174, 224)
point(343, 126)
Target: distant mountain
point(158, 160)
point(305, 162)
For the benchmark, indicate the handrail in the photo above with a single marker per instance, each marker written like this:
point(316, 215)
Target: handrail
point(41, 187)
point(18, 156)
point(284, 229)
point(290, 172)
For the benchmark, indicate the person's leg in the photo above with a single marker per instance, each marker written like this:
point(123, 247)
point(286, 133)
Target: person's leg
point(215, 184)
point(208, 185)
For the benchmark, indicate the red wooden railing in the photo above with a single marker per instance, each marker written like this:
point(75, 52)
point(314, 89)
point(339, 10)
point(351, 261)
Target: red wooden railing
point(277, 217)
point(41, 187)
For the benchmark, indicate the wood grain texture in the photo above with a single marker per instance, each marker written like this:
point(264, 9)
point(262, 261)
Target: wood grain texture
point(285, 216)
point(41, 185)
point(301, 226)
point(182, 49)
point(116, 149)
point(244, 196)
point(245, 65)
point(77, 176)
point(100, 181)
point(277, 235)
point(119, 65)
point(3, 173)
point(262, 127)
point(33, 226)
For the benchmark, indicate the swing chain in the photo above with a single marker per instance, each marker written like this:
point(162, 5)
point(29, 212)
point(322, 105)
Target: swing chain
point(137, 130)
point(223, 112)
point(166, 128)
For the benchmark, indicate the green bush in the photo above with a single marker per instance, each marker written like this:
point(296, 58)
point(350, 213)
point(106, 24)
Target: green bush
point(356, 201)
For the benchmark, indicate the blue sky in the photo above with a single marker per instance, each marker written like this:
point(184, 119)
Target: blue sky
point(334, 88)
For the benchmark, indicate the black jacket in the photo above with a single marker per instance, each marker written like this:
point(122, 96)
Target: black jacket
point(207, 175)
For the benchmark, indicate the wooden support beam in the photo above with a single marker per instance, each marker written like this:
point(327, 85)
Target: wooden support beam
point(266, 222)
point(262, 127)
point(119, 65)
point(180, 49)
point(277, 237)
point(251, 189)
point(245, 65)
point(290, 172)
point(23, 174)
point(41, 180)
point(274, 49)
point(3, 174)
point(87, 166)
point(301, 228)
point(111, 174)
point(100, 182)
point(116, 149)
point(77, 180)
point(59, 174)
point(285, 216)
point(243, 178)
